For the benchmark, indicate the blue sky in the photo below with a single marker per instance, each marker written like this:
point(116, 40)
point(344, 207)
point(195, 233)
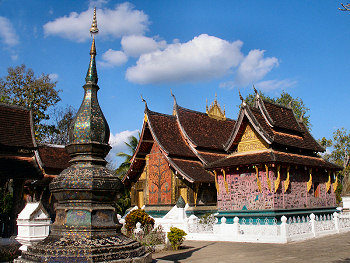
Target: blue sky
point(194, 48)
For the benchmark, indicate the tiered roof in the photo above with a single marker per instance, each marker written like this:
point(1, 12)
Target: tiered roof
point(194, 142)
point(288, 139)
point(183, 140)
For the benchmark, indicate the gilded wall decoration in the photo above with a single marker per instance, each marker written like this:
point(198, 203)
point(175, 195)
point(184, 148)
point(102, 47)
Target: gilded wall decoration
point(251, 141)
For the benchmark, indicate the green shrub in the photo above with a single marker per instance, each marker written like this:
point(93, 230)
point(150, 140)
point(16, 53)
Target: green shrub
point(138, 215)
point(176, 237)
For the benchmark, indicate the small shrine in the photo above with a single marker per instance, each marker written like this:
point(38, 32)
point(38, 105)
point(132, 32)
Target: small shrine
point(33, 225)
point(86, 228)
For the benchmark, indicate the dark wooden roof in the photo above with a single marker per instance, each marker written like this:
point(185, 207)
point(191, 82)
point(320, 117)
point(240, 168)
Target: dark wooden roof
point(16, 127)
point(165, 130)
point(203, 131)
point(279, 116)
point(168, 135)
point(272, 156)
point(277, 125)
point(192, 170)
point(53, 156)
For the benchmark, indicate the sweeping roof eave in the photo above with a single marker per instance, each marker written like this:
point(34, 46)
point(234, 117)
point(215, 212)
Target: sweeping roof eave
point(270, 156)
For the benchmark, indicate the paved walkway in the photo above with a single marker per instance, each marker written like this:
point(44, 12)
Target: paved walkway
point(335, 249)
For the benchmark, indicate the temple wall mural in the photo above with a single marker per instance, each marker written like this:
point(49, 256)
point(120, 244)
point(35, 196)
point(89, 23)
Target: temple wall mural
point(241, 191)
point(160, 184)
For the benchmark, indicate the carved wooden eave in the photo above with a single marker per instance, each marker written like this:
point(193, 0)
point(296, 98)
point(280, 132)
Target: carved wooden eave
point(259, 103)
point(137, 150)
point(246, 112)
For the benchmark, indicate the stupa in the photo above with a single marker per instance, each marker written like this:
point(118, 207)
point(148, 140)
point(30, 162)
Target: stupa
point(86, 228)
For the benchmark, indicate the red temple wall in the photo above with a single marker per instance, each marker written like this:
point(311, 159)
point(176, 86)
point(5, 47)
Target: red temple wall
point(159, 178)
point(243, 192)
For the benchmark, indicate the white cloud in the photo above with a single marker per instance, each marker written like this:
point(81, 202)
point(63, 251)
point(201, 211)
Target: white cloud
point(202, 58)
point(254, 67)
point(7, 33)
point(97, 3)
point(117, 141)
point(117, 22)
point(136, 45)
point(113, 58)
point(275, 84)
point(53, 76)
point(14, 57)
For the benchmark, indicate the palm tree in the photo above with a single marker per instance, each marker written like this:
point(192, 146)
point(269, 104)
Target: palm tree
point(124, 201)
point(124, 166)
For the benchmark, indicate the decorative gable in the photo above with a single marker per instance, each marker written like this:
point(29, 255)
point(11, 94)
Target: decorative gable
point(251, 141)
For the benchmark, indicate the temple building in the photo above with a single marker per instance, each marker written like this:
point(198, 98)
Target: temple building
point(26, 168)
point(171, 156)
point(266, 161)
point(273, 164)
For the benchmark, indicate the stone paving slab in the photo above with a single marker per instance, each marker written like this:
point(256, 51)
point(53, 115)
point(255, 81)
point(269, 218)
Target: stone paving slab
point(334, 248)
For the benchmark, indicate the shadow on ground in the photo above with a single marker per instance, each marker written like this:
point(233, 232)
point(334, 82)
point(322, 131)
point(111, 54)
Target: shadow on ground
point(176, 257)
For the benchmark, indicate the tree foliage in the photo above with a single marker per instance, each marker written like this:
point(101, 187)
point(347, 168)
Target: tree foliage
point(340, 149)
point(62, 119)
point(124, 166)
point(22, 87)
point(285, 99)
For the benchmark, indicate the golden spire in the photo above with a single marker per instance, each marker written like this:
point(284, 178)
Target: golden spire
point(94, 29)
point(91, 76)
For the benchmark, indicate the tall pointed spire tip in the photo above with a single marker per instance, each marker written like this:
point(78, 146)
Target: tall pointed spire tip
point(94, 29)
point(91, 75)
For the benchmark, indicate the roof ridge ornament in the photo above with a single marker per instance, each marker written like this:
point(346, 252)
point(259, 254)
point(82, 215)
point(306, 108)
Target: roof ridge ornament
point(257, 97)
point(241, 98)
point(144, 101)
point(175, 102)
point(215, 111)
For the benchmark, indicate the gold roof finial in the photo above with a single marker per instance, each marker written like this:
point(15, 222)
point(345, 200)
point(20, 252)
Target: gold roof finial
point(94, 29)
point(215, 111)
